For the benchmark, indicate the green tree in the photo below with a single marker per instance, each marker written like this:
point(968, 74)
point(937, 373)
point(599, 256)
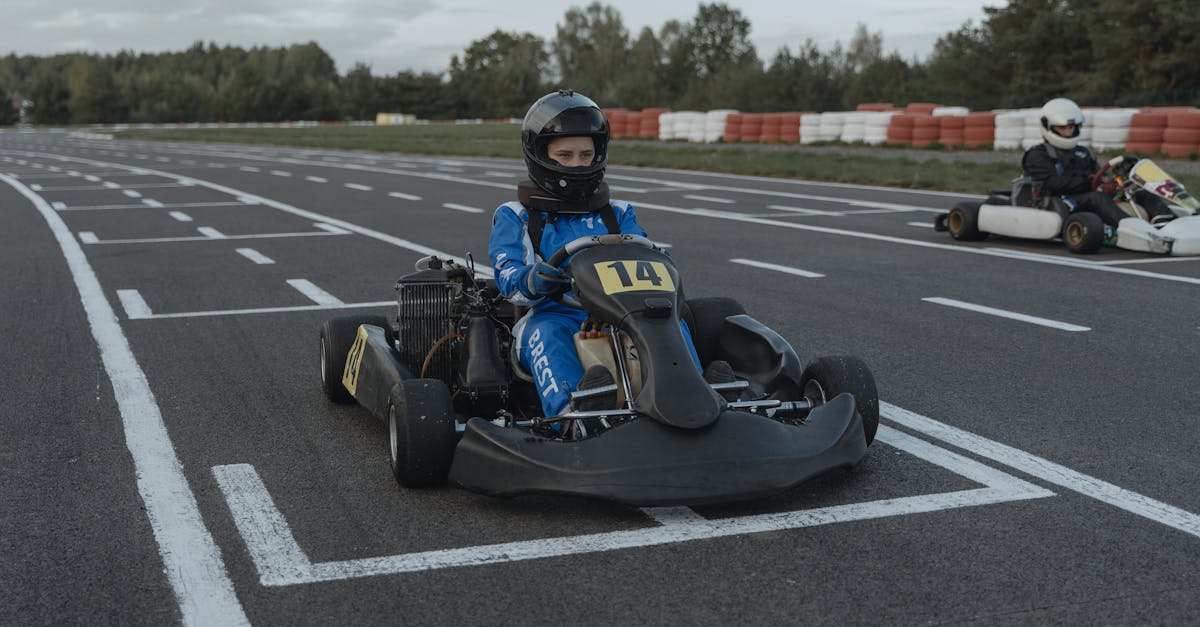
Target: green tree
point(501, 74)
point(592, 50)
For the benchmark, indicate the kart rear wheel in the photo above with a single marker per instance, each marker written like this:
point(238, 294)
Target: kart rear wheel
point(705, 317)
point(963, 222)
point(826, 377)
point(1083, 233)
point(337, 336)
point(421, 434)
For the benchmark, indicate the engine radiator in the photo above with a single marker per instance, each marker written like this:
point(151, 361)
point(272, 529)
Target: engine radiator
point(428, 314)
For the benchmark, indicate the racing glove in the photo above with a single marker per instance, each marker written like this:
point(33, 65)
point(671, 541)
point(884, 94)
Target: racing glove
point(541, 279)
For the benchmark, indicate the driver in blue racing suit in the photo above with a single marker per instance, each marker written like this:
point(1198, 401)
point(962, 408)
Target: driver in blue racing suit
point(564, 139)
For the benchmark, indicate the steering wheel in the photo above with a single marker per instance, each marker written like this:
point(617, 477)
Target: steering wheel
point(591, 241)
point(1098, 178)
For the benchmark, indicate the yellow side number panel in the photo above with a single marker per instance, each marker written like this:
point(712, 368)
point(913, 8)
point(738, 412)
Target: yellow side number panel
point(354, 360)
point(634, 276)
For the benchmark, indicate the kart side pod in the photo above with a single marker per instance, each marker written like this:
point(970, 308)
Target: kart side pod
point(1019, 221)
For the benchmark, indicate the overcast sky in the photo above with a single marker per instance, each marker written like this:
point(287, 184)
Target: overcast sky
point(421, 35)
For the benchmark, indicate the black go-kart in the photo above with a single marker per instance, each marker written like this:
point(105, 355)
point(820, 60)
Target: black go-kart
point(459, 407)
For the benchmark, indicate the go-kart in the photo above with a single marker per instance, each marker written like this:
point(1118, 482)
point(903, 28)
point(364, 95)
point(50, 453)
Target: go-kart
point(1023, 212)
point(459, 406)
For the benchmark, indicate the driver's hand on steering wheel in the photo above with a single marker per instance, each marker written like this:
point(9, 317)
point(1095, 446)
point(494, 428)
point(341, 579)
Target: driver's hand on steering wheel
point(542, 279)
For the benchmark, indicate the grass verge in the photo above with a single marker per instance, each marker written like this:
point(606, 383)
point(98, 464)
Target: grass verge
point(966, 171)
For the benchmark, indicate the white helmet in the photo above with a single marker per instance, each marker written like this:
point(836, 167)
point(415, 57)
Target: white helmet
point(1061, 112)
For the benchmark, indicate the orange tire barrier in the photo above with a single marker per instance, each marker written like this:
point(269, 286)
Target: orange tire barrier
point(752, 124)
point(789, 127)
point(771, 125)
point(900, 129)
point(649, 127)
point(951, 130)
point(920, 108)
point(733, 127)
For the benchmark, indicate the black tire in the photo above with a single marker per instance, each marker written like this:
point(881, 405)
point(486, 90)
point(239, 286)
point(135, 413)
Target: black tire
point(963, 222)
point(704, 317)
point(1083, 233)
point(421, 434)
point(826, 377)
point(337, 335)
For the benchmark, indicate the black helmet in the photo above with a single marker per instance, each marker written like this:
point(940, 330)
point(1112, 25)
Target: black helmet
point(564, 113)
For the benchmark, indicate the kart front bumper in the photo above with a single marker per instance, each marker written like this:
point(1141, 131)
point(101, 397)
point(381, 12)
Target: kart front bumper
point(646, 463)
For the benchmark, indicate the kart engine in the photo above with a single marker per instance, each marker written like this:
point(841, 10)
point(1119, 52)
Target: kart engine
point(446, 332)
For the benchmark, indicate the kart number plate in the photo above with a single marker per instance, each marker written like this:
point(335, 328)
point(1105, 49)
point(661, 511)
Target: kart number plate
point(354, 361)
point(634, 276)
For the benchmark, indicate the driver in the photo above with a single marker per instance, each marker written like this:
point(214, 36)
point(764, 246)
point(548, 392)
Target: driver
point(565, 142)
point(1065, 169)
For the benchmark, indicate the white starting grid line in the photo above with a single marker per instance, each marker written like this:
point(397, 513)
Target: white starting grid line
point(282, 562)
point(208, 233)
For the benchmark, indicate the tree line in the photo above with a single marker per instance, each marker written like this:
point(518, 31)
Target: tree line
point(1110, 52)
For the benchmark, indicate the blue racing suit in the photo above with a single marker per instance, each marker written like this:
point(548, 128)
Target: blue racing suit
point(545, 341)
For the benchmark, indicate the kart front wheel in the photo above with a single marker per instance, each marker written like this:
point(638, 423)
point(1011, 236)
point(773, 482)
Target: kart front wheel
point(826, 377)
point(963, 222)
point(337, 336)
point(1083, 233)
point(421, 434)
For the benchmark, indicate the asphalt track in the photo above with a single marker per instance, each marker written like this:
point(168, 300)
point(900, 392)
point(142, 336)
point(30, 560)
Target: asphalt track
point(168, 457)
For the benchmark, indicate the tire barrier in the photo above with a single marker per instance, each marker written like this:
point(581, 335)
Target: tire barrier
point(979, 129)
point(1181, 137)
point(1169, 131)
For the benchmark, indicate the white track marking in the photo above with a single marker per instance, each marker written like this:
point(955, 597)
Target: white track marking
point(92, 177)
point(1048, 471)
point(806, 211)
point(314, 293)
point(273, 310)
point(255, 256)
point(35, 187)
point(458, 207)
point(724, 201)
point(329, 228)
point(111, 185)
point(1002, 313)
point(135, 306)
point(131, 193)
point(150, 202)
point(777, 268)
point(249, 168)
point(1063, 261)
point(280, 173)
point(924, 225)
point(281, 561)
point(1141, 261)
point(358, 186)
point(210, 232)
point(58, 205)
point(181, 216)
point(191, 560)
point(316, 179)
point(90, 238)
point(404, 196)
point(166, 205)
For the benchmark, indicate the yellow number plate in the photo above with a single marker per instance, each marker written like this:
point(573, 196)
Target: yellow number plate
point(354, 361)
point(634, 276)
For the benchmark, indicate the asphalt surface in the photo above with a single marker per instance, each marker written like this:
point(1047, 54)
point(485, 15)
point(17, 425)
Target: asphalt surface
point(168, 456)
